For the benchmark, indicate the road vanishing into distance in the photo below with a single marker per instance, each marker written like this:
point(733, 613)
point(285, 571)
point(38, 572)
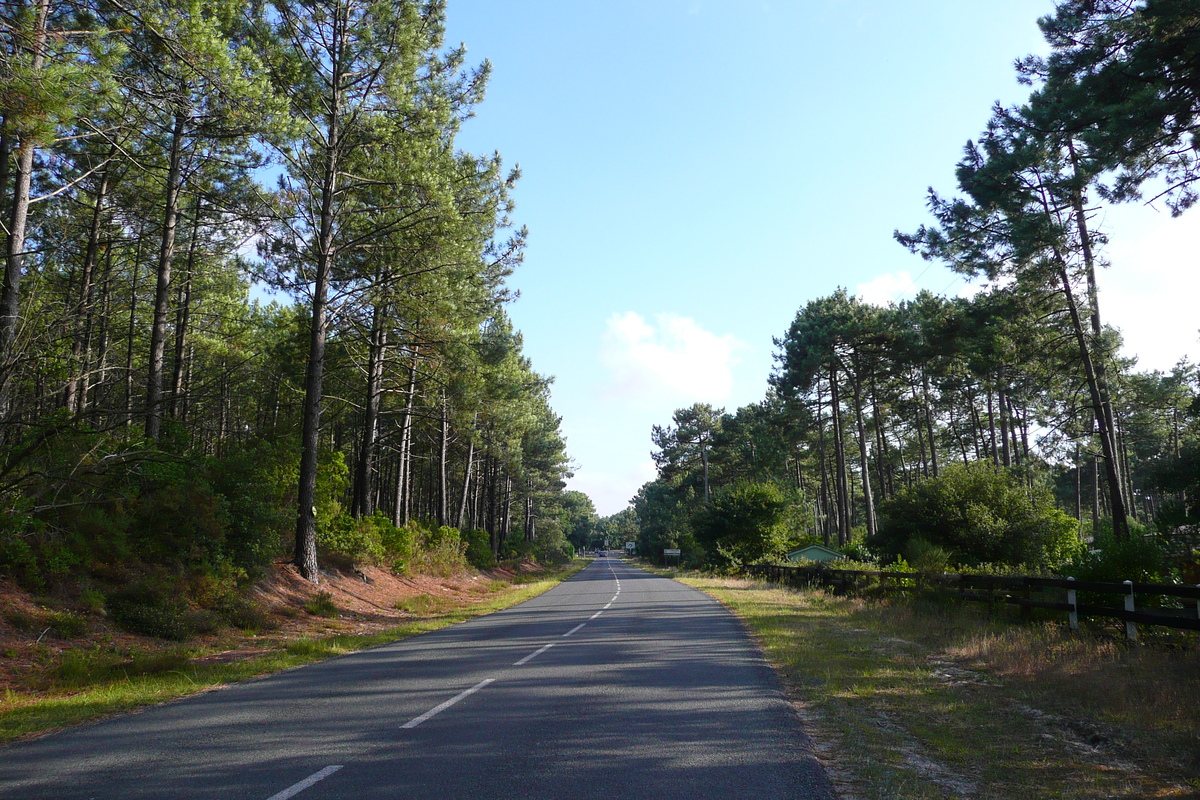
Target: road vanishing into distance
point(615, 684)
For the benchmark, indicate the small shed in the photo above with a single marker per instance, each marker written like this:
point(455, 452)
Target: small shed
point(814, 552)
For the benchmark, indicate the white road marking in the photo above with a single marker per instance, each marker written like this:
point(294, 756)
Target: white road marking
point(534, 654)
point(412, 723)
point(292, 791)
point(577, 627)
point(598, 613)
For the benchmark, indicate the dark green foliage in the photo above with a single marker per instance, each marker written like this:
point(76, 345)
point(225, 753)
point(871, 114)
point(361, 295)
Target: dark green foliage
point(664, 519)
point(925, 557)
point(979, 514)
point(150, 611)
point(479, 549)
point(181, 522)
point(551, 545)
point(744, 523)
point(578, 518)
point(1141, 558)
point(257, 482)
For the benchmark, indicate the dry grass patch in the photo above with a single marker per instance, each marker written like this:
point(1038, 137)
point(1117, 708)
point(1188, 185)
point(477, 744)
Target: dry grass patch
point(919, 699)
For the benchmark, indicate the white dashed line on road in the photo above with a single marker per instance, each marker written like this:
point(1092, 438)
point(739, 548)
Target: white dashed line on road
point(534, 654)
point(412, 723)
point(296, 789)
point(573, 630)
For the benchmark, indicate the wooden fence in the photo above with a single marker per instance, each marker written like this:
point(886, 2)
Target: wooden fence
point(1169, 605)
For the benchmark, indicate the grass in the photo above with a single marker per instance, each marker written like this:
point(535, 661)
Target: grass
point(321, 605)
point(88, 685)
point(921, 699)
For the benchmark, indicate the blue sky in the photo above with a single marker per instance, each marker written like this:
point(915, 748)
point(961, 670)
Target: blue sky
point(696, 171)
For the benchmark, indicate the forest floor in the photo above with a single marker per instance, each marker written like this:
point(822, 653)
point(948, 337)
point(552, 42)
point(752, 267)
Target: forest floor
point(62, 664)
point(917, 699)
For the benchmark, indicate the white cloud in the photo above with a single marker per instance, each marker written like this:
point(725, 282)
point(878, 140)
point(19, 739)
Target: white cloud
point(891, 287)
point(611, 491)
point(1150, 290)
point(673, 361)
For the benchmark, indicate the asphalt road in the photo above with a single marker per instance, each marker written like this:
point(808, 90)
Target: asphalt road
point(615, 684)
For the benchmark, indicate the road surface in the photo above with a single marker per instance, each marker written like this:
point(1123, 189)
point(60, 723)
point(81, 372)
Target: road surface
point(616, 684)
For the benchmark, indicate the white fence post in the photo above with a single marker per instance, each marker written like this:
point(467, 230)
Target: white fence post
point(1073, 615)
point(1130, 625)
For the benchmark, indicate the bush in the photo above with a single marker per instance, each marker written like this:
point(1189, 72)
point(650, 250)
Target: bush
point(856, 550)
point(436, 550)
point(926, 557)
point(321, 605)
point(479, 549)
point(257, 481)
point(978, 514)
point(149, 612)
point(357, 539)
point(1141, 558)
point(744, 523)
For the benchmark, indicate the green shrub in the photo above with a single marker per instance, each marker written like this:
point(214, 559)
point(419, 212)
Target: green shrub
point(321, 605)
point(257, 481)
point(397, 543)
point(926, 557)
point(180, 523)
point(479, 549)
point(1141, 558)
point(856, 550)
point(745, 523)
point(436, 550)
point(978, 514)
point(150, 612)
point(244, 615)
point(339, 533)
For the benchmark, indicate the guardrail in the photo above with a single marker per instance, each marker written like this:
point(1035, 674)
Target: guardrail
point(1015, 590)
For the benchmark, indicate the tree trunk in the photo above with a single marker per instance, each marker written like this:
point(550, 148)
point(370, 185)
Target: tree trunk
point(993, 451)
point(400, 514)
point(10, 293)
point(1107, 443)
point(83, 308)
point(183, 315)
point(462, 505)
point(1002, 391)
point(443, 488)
point(919, 429)
point(362, 504)
point(306, 518)
point(162, 294)
point(868, 497)
point(135, 270)
point(883, 456)
point(1095, 370)
point(825, 526)
point(1078, 485)
point(839, 452)
point(933, 459)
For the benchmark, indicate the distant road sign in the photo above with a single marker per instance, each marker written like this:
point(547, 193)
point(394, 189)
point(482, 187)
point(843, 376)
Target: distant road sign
point(669, 552)
point(629, 545)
